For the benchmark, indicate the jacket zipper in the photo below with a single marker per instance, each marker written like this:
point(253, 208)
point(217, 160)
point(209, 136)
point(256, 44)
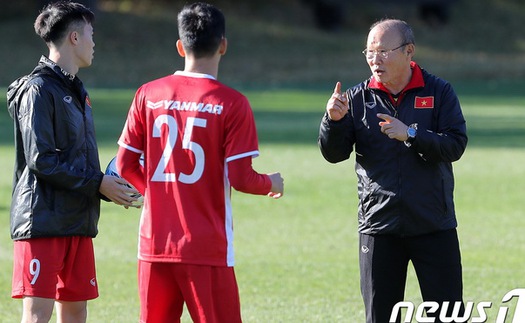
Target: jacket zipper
point(392, 108)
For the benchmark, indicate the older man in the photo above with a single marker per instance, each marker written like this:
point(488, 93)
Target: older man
point(406, 127)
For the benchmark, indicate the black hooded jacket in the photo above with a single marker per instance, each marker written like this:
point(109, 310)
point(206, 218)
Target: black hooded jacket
point(403, 190)
point(57, 170)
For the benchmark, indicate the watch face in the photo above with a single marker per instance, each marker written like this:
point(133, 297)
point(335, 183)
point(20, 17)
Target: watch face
point(411, 132)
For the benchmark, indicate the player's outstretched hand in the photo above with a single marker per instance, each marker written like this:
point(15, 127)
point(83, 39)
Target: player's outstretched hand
point(277, 185)
point(337, 106)
point(118, 190)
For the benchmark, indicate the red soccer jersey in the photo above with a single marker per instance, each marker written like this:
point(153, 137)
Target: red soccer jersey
point(188, 126)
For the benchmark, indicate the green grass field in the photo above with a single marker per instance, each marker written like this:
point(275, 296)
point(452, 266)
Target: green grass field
point(297, 256)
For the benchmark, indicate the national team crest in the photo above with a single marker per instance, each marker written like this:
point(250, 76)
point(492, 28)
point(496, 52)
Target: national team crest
point(424, 102)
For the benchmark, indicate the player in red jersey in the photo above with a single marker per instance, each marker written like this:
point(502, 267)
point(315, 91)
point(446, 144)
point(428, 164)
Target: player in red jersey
point(198, 138)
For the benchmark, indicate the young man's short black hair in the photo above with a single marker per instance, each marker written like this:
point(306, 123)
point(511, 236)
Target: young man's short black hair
point(56, 19)
point(201, 29)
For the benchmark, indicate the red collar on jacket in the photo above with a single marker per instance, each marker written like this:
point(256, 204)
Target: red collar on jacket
point(415, 82)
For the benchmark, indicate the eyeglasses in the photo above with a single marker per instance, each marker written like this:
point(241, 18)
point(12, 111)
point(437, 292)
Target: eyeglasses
point(382, 53)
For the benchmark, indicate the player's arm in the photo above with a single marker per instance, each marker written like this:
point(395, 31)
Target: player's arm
point(245, 179)
point(128, 166)
point(37, 118)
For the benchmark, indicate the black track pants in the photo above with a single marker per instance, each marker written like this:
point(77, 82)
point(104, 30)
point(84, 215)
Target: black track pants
point(384, 259)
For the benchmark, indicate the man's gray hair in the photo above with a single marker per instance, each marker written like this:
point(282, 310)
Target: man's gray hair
point(402, 27)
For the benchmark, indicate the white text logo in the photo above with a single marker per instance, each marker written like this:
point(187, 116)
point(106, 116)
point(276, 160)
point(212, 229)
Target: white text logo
point(455, 314)
point(185, 106)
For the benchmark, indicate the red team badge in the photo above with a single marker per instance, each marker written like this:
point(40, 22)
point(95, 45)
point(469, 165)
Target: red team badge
point(425, 102)
point(88, 101)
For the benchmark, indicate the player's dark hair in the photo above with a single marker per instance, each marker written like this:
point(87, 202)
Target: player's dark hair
point(201, 29)
point(402, 27)
point(58, 18)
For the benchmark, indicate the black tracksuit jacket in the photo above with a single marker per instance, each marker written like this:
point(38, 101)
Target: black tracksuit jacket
point(403, 191)
point(57, 170)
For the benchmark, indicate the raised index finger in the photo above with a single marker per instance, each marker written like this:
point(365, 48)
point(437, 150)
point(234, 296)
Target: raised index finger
point(337, 88)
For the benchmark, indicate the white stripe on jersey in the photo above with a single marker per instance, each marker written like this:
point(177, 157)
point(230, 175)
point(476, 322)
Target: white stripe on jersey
point(128, 147)
point(193, 74)
point(228, 216)
point(253, 153)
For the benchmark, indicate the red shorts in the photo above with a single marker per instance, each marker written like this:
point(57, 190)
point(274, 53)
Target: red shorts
point(61, 268)
point(210, 293)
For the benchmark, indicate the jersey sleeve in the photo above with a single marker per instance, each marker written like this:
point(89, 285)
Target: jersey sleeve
point(132, 137)
point(245, 179)
point(128, 166)
point(241, 133)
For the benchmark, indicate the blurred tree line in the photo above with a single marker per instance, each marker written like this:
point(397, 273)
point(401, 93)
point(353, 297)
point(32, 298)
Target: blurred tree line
point(328, 14)
point(14, 9)
point(31, 7)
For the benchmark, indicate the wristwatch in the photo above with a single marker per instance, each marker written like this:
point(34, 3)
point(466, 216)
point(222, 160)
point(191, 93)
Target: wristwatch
point(411, 133)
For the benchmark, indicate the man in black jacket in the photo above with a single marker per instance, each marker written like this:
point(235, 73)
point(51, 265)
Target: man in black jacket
point(58, 182)
point(406, 127)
